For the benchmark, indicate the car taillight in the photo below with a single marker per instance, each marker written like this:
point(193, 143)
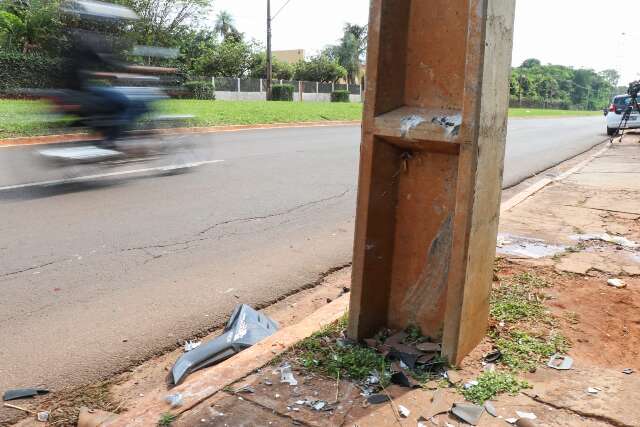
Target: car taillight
point(612, 108)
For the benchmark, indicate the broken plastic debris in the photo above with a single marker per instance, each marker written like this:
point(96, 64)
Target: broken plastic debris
point(592, 390)
point(374, 378)
point(21, 393)
point(491, 410)
point(467, 412)
point(245, 328)
point(605, 237)
point(404, 412)
point(191, 345)
point(319, 405)
point(399, 378)
point(375, 399)
point(43, 416)
point(493, 357)
point(470, 384)
point(616, 283)
point(627, 371)
point(174, 400)
point(560, 362)
point(511, 420)
point(527, 415)
point(408, 123)
point(286, 375)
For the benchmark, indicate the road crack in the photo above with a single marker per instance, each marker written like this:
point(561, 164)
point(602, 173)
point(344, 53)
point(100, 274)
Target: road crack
point(24, 270)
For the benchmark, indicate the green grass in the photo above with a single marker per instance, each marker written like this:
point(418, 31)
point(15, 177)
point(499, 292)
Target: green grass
point(166, 419)
point(321, 353)
point(520, 298)
point(522, 351)
point(491, 384)
point(28, 118)
point(539, 112)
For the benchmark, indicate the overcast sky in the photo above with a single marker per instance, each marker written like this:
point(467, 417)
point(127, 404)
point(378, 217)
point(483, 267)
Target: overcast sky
point(580, 33)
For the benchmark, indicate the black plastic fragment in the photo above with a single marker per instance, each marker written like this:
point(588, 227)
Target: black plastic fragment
point(399, 378)
point(376, 399)
point(493, 357)
point(21, 393)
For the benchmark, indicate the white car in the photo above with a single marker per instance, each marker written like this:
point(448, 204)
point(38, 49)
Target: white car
point(616, 112)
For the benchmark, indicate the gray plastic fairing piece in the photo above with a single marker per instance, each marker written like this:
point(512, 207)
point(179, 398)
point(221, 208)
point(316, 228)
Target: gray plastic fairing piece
point(245, 328)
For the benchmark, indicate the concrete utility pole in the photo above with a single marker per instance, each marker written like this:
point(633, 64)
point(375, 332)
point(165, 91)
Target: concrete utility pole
point(269, 50)
point(431, 162)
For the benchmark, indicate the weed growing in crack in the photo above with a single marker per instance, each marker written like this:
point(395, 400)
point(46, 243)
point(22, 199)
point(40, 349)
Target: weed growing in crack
point(522, 351)
point(326, 352)
point(491, 384)
point(166, 419)
point(511, 302)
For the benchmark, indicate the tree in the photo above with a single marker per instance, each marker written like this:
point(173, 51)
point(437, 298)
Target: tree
point(230, 58)
point(225, 26)
point(531, 63)
point(610, 76)
point(30, 25)
point(350, 52)
point(280, 69)
point(319, 69)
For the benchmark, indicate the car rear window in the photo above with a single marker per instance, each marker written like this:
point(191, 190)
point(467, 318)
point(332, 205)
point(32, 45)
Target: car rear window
point(622, 100)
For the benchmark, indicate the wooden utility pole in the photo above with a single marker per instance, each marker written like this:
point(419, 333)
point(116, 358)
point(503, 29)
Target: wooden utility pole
point(269, 69)
point(431, 161)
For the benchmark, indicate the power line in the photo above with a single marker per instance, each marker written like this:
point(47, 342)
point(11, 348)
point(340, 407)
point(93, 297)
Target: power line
point(280, 10)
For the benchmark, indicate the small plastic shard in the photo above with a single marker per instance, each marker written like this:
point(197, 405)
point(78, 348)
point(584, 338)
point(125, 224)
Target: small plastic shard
point(191, 345)
point(560, 362)
point(404, 412)
point(408, 123)
point(470, 384)
point(491, 410)
point(286, 375)
point(42, 416)
point(399, 378)
point(627, 371)
point(511, 420)
point(376, 399)
point(493, 357)
point(374, 378)
point(527, 415)
point(174, 400)
point(319, 405)
point(21, 393)
point(592, 390)
point(616, 283)
point(429, 347)
point(468, 412)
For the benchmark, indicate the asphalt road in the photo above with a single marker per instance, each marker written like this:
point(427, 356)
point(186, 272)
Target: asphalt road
point(99, 274)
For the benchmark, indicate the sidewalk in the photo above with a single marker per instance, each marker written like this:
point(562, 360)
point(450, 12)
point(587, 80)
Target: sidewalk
point(557, 249)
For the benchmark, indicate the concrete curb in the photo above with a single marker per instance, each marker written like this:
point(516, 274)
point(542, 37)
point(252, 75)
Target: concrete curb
point(74, 137)
point(201, 385)
point(534, 188)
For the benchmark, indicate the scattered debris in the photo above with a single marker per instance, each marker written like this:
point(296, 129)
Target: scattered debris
point(467, 412)
point(174, 400)
point(605, 237)
point(592, 390)
point(319, 405)
point(399, 378)
point(191, 345)
point(246, 389)
point(376, 399)
point(42, 416)
point(429, 347)
point(491, 410)
point(493, 357)
point(404, 412)
point(511, 420)
point(408, 123)
point(560, 362)
point(21, 393)
point(245, 328)
point(373, 379)
point(627, 371)
point(527, 415)
point(616, 283)
point(470, 384)
point(286, 375)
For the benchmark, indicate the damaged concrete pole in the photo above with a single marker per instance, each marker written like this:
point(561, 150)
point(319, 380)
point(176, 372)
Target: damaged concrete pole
point(431, 162)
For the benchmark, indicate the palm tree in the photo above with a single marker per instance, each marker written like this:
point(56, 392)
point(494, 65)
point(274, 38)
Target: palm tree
point(225, 24)
point(351, 50)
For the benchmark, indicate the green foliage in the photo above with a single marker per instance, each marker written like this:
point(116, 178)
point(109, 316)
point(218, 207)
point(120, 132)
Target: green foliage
point(340, 96)
point(522, 351)
point(282, 92)
point(350, 51)
point(321, 353)
point(557, 86)
point(32, 26)
point(319, 69)
point(199, 89)
point(519, 299)
point(19, 70)
point(230, 58)
point(491, 384)
point(279, 69)
point(166, 419)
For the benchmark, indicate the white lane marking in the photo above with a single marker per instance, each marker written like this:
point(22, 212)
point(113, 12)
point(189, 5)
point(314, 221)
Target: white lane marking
point(109, 175)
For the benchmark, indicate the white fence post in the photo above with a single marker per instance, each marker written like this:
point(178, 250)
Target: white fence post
point(238, 93)
point(260, 85)
point(213, 86)
point(333, 86)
